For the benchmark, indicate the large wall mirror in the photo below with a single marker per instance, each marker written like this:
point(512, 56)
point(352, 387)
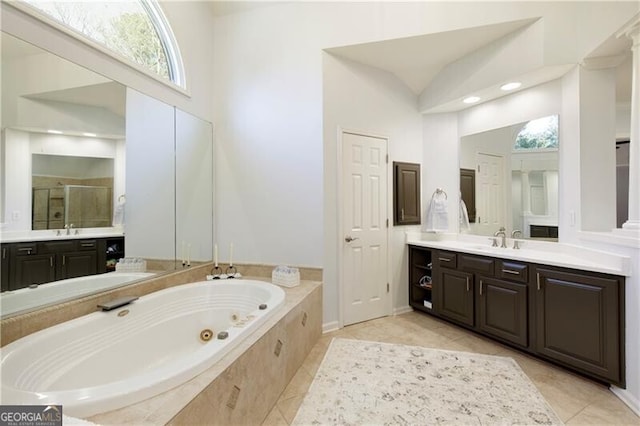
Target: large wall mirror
point(509, 178)
point(84, 151)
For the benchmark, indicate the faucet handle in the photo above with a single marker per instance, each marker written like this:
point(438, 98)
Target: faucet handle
point(494, 242)
point(516, 233)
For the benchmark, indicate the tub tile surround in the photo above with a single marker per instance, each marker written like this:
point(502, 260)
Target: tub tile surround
point(22, 325)
point(252, 367)
point(540, 252)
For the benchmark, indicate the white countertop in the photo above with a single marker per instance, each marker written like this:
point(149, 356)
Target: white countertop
point(50, 235)
point(543, 253)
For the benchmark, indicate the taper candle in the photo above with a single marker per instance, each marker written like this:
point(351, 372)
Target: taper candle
point(215, 255)
point(231, 254)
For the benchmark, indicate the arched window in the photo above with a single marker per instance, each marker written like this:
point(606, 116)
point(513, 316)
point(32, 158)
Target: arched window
point(134, 29)
point(538, 134)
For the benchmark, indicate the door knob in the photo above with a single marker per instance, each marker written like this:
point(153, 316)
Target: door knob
point(348, 238)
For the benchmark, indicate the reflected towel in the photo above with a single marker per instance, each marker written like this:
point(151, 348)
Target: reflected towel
point(464, 217)
point(118, 214)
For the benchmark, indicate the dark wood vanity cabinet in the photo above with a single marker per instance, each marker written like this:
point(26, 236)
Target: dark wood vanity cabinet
point(4, 268)
point(420, 278)
point(579, 319)
point(502, 310)
point(453, 292)
point(571, 317)
point(45, 261)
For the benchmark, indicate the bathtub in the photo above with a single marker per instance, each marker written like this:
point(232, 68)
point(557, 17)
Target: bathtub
point(26, 299)
point(108, 360)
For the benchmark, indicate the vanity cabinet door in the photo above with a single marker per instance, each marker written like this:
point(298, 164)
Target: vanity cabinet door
point(502, 309)
point(76, 264)
point(453, 291)
point(578, 320)
point(32, 269)
point(4, 268)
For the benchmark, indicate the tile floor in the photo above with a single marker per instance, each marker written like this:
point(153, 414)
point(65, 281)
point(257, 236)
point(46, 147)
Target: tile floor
point(575, 399)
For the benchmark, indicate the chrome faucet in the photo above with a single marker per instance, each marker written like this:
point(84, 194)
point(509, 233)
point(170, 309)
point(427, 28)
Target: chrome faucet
point(66, 226)
point(515, 234)
point(502, 233)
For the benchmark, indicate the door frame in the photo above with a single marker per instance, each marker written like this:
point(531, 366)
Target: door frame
point(340, 220)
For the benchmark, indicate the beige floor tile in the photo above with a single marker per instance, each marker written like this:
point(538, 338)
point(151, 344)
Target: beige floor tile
point(607, 410)
point(275, 418)
point(289, 407)
point(478, 344)
point(298, 385)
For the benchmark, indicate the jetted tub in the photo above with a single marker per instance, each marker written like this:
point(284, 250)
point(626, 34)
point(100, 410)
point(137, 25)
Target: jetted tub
point(26, 299)
point(108, 360)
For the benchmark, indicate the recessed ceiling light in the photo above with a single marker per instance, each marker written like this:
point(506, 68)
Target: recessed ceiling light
point(471, 100)
point(55, 132)
point(91, 135)
point(511, 86)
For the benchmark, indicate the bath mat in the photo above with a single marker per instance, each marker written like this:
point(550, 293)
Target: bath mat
point(372, 383)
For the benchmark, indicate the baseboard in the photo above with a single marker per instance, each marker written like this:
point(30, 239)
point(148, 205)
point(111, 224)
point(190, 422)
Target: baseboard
point(629, 399)
point(402, 310)
point(330, 326)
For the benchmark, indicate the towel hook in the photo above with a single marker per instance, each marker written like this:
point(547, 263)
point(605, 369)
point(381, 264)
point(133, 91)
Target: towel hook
point(440, 191)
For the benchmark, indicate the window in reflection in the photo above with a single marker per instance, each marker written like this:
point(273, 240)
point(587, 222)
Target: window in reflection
point(538, 134)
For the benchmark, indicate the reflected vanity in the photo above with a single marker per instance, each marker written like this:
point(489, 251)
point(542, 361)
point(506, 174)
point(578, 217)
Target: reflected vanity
point(72, 147)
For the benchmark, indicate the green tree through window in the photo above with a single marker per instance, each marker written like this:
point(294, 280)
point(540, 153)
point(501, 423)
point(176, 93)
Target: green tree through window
point(128, 28)
point(538, 134)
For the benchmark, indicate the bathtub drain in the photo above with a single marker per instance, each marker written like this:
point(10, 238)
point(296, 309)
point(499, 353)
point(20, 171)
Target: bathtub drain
point(206, 335)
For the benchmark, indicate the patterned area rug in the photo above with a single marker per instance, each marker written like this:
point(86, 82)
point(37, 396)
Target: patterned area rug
point(362, 382)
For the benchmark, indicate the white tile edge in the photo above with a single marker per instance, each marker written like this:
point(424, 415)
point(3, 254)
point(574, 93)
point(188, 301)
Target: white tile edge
point(328, 327)
point(402, 310)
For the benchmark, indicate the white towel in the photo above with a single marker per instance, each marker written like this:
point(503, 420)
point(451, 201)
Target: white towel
point(464, 217)
point(436, 215)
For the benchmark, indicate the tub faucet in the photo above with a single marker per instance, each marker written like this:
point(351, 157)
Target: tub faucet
point(502, 233)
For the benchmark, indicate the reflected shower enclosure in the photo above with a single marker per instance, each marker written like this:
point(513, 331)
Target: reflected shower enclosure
point(70, 191)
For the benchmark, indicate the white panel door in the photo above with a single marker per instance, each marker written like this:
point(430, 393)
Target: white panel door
point(364, 271)
point(490, 193)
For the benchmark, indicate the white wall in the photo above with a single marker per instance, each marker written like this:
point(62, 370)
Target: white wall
point(598, 153)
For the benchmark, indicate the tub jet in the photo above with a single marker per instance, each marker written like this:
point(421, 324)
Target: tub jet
point(223, 335)
point(206, 335)
point(262, 306)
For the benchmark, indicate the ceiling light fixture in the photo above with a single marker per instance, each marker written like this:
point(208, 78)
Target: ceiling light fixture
point(55, 132)
point(471, 100)
point(511, 86)
point(91, 135)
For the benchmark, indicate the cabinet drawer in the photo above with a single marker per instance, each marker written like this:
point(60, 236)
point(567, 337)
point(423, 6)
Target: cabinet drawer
point(513, 271)
point(470, 263)
point(446, 259)
point(87, 245)
point(24, 249)
point(58, 246)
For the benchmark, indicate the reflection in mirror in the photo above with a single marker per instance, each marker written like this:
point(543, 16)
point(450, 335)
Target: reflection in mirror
point(72, 191)
point(58, 113)
point(509, 178)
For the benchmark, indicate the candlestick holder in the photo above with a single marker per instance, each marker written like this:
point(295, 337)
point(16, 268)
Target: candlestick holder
point(216, 271)
point(231, 271)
